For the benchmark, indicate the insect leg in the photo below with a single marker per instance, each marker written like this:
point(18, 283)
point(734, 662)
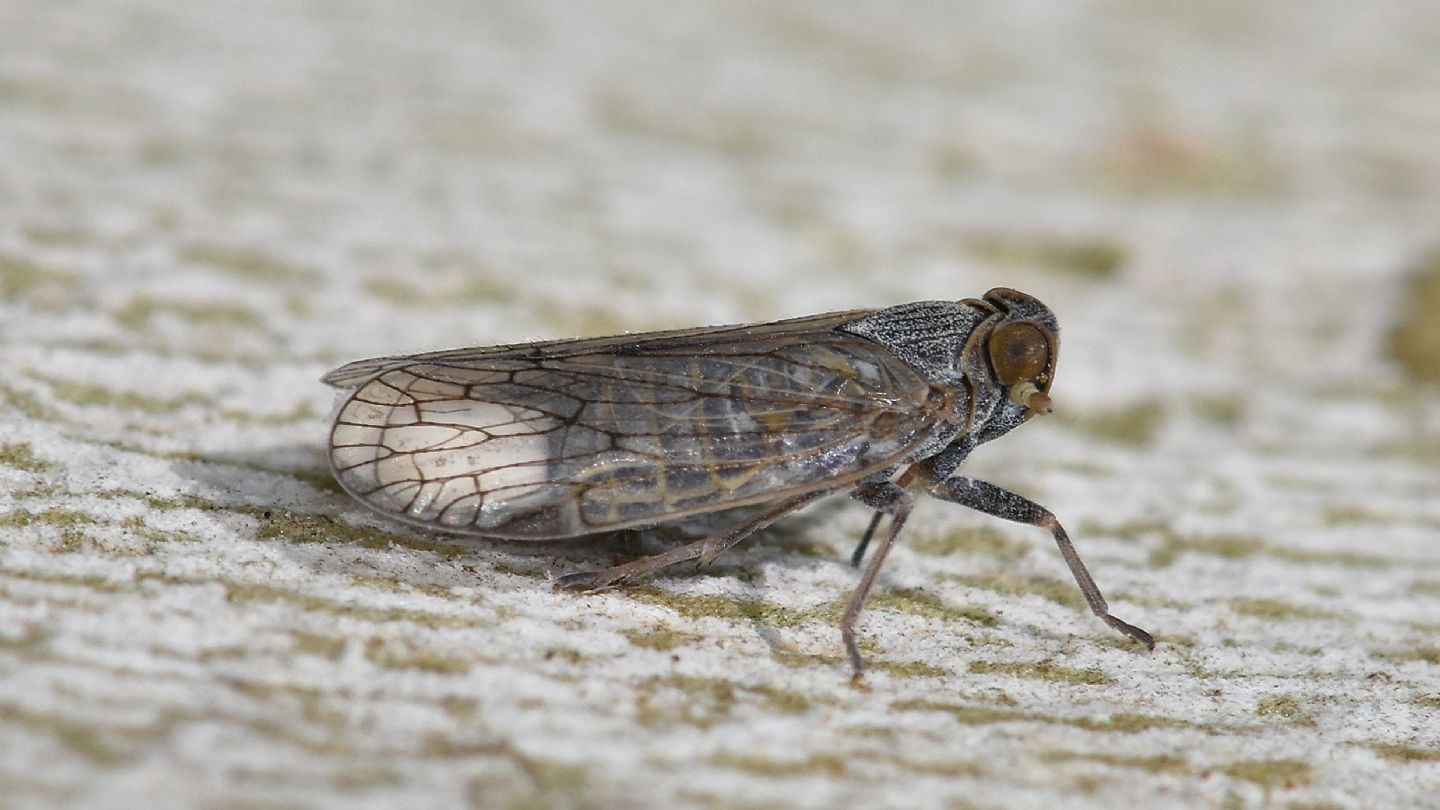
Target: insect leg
point(705, 551)
point(1001, 503)
point(887, 499)
point(874, 486)
point(859, 554)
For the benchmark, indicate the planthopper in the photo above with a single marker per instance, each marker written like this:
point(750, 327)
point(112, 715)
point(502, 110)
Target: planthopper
point(568, 438)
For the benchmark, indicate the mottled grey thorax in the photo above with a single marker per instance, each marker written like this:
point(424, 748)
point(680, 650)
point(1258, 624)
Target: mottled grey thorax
point(930, 336)
point(927, 335)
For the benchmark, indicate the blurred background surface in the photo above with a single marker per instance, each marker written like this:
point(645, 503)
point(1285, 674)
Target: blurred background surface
point(1233, 209)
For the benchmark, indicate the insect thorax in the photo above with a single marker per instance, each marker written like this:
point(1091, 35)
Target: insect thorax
point(927, 335)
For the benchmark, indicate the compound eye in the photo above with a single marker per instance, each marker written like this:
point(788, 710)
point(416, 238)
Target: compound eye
point(1019, 352)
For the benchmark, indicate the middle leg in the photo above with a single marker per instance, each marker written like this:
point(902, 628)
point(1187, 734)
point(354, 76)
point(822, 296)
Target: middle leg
point(886, 499)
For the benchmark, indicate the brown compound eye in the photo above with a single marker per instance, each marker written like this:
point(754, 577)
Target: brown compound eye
point(1019, 352)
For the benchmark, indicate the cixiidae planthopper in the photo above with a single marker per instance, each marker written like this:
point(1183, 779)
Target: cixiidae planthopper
point(568, 438)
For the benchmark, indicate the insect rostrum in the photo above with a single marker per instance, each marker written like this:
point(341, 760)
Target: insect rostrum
point(575, 437)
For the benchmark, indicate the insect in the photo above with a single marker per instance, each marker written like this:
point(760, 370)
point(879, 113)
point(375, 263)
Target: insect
point(567, 438)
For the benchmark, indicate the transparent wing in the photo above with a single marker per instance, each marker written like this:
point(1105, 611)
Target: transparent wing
point(454, 364)
point(574, 437)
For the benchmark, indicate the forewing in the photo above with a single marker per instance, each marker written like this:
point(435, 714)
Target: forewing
point(574, 437)
point(454, 365)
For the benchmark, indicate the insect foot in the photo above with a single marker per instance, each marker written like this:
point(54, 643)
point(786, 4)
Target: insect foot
point(586, 581)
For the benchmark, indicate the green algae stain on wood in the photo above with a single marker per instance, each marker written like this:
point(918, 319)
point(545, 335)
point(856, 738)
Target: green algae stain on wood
point(1408, 753)
point(978, 540)
point(21, 456)
point(1287, 707)
point(1159, 764)
point(926, 605)
point(1264, 608)
point(1057, 591)
point(41, 286)
point(139, 312)
point(398, 654)
point(700, 606)
point(1136, 424)
point(829, 765)
point(1094, 258)
point(661, 638)
point(1043, 670)
point(1414, 339)
point(247, 263)
point(1271, 774)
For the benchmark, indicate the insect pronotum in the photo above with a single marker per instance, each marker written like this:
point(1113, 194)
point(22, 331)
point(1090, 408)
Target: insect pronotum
point(566, 438)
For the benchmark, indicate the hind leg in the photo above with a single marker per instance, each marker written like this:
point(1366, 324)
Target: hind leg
point(705, 551)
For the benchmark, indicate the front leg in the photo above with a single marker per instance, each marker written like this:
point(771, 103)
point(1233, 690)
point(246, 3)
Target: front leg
point(1001, 503)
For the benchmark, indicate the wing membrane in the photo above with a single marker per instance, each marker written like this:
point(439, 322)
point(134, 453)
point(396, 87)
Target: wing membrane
point(573, 437)
point(674, 342)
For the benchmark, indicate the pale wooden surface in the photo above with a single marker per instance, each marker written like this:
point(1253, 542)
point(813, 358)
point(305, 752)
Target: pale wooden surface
point(204, 206)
